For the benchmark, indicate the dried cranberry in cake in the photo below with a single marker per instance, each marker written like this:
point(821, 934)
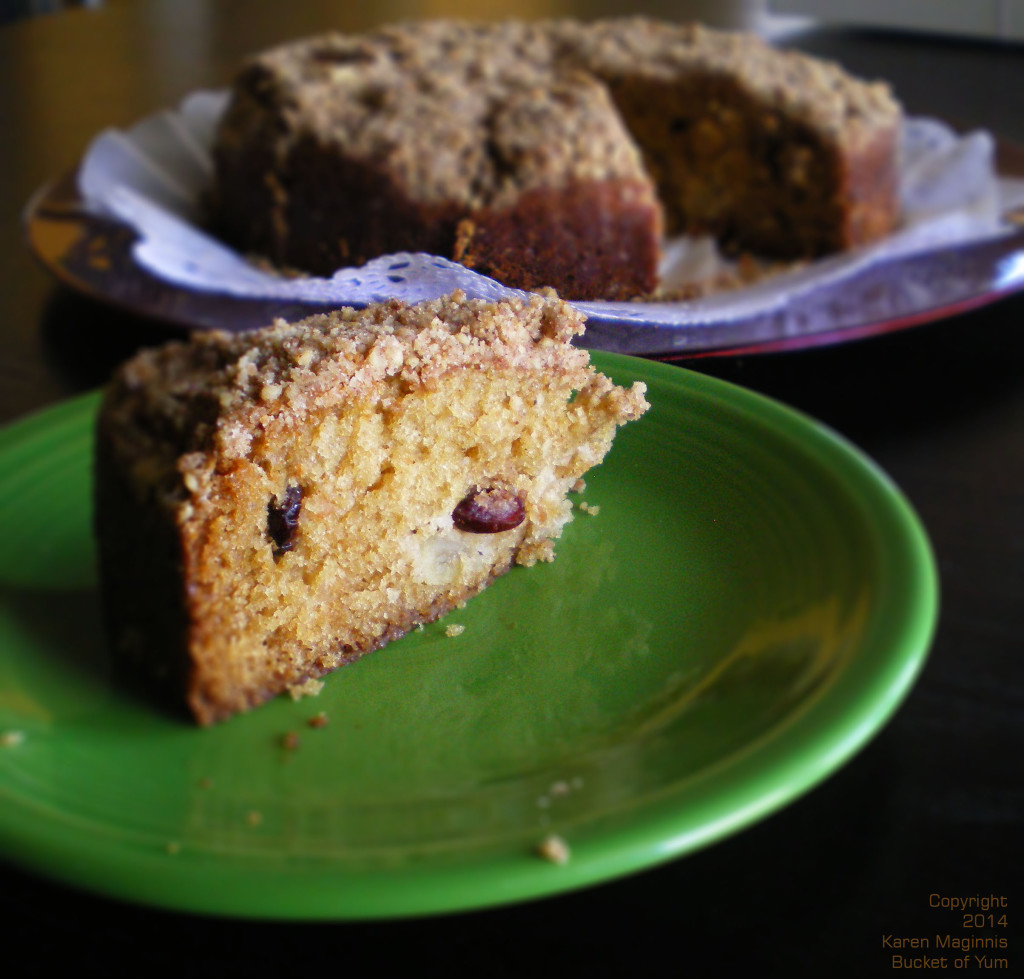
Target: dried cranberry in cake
point(489, 511)
point(283, 519)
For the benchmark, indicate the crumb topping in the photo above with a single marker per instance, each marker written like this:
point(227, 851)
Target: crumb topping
point(184, 397)
point(461, 109)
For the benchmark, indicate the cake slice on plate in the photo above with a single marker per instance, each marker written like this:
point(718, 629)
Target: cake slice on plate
point(272, 505)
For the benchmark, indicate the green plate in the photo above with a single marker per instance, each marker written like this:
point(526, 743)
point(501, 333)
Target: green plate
point(749, 605)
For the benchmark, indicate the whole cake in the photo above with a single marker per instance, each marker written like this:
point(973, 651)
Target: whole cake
point(551, 153)
point(274, 504)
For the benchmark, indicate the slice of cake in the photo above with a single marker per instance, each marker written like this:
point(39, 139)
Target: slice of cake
point(272, 505)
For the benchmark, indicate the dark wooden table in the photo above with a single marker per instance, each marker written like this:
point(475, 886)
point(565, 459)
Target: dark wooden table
point(932, 806)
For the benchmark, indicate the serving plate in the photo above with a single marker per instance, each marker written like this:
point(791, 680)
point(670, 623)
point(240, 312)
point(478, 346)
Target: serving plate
point(748, 605)
point(834, 300)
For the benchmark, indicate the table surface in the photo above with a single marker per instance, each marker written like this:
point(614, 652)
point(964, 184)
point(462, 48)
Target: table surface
point(932, 805)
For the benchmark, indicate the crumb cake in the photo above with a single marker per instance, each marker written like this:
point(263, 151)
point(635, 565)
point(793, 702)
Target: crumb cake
point(550, 153)
point(272, 505)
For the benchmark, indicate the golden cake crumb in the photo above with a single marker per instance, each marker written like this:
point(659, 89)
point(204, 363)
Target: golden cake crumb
point(309, 688)
point(454, 630)
point(11, 739)
point(554, 849)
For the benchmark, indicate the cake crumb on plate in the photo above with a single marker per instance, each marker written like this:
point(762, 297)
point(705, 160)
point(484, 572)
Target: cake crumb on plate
point(554, 849)
point(309, 688)
point(290, 741)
